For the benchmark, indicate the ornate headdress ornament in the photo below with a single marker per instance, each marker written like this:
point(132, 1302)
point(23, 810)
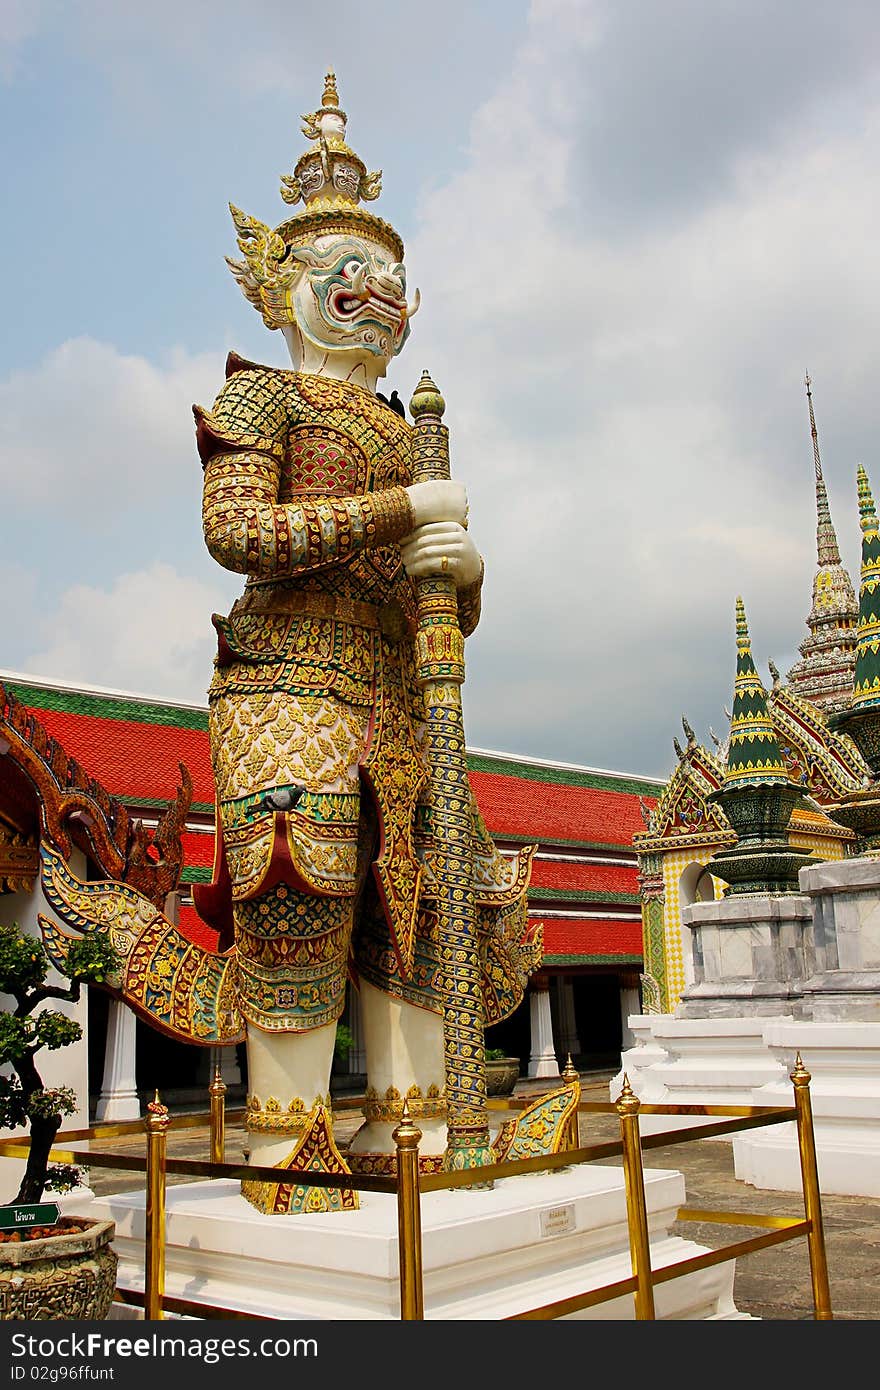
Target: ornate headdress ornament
point(331, 181)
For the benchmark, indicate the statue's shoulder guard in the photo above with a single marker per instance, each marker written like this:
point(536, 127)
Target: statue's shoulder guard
point(252, 412)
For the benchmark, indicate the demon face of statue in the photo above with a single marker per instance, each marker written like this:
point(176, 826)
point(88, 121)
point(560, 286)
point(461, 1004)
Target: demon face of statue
point(349, 295)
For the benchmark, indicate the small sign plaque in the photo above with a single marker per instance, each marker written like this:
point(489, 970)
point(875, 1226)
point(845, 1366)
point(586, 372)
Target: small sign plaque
point(33, 1214)
point(557, 1221)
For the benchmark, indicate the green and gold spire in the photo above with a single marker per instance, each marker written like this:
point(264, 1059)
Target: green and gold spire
point(866, 685)
point(753, 755)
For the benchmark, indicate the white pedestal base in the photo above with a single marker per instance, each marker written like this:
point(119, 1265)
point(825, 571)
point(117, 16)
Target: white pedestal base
point(698, 1061)
point(844, 1062)
point(487, 1254)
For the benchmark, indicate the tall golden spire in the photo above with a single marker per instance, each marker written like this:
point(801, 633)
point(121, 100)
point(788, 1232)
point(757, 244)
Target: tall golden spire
point(826, 537)
point(824, 675)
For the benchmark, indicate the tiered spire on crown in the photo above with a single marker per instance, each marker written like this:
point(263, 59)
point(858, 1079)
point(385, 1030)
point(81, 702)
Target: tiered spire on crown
point(753, 755)
point(825, 674)
point(866, 685)
point(330, 179)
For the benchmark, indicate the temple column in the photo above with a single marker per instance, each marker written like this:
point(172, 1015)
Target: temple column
point(542, 1061)
point(569, 1041)
point(118, 1099)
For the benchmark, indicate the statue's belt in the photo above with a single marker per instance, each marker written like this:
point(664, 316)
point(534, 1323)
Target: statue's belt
point(389, 618)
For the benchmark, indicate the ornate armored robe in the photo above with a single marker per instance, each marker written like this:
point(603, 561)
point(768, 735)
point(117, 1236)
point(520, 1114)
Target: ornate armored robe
point(315, 717)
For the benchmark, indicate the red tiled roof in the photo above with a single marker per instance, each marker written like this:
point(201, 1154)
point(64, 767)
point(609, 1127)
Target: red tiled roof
point(549, 811)
point(134, 759)
point(584, 878)
point(587, 937)
point(198, 931)
point(198, 850)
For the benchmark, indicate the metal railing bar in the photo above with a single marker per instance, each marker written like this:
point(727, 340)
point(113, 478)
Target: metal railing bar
point(729, 1252)
point(738, 1218)
point(562, 1306)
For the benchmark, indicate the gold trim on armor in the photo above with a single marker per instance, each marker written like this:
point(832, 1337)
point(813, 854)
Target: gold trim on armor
point(273, 1118)
point(387, 618)
point(388, 1109)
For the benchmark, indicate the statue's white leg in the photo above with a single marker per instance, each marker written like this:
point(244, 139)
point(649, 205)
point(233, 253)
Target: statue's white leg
point(284, 1070)
point(404, 1050)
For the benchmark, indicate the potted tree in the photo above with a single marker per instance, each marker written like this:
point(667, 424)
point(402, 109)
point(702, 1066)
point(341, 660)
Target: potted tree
point(68, 1269)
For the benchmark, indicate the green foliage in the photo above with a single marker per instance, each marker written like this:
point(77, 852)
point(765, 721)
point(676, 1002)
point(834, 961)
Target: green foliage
point(15, 1037)
point(23, 962)
point(344, 1041)
point(63, 1177)
point(495, 1054)
point(53, 1030)
point(91, 959)
point(51, 1104)
point(24, 966)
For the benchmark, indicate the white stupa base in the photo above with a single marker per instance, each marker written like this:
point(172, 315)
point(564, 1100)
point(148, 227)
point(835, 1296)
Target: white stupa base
point(487, 1254)
point(698, 1061)
point(844, 1062)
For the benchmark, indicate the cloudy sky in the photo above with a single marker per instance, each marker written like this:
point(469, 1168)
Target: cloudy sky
point(634, 224)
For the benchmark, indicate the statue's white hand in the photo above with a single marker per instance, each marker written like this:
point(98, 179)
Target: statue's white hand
point(442, 547)
point(442, 499)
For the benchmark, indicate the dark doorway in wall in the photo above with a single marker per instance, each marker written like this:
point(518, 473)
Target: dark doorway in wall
point(180, 1072)
point(599, 1025)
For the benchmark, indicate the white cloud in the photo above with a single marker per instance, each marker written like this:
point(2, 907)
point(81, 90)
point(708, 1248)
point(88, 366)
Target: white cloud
point(99, 431)
point(147, 632)
point(628, 412)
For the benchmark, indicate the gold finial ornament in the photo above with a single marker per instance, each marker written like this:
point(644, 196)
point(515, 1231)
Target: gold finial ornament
point(426, 399)
point(331, 96)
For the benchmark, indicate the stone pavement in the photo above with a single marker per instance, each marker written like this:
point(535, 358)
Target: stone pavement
point(772, 1284)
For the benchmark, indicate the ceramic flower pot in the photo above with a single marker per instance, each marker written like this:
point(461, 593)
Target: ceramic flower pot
point(67, 1273)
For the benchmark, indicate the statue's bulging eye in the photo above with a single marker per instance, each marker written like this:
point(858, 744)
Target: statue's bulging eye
point(351, 268)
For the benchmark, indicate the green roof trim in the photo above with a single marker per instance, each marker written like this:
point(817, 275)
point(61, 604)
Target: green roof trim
point(564, 776)
point(627, 959)
point(148, 803)
point(110, 707)
point(196, 875)
point(580, 895)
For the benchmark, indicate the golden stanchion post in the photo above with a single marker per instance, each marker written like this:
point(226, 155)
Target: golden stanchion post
point(157, 1122)
point(409, 1219)
point(217, 1091)
point(636, 1210)
point(800, 1078)
point(570, 1073)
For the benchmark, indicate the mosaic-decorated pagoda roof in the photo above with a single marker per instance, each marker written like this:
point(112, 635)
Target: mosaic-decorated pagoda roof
point(753, 755)
point(866, 684)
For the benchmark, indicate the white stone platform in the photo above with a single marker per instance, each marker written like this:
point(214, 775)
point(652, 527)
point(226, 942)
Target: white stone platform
point(844, 1063)
point(487, 1254)
point(698, 1061)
